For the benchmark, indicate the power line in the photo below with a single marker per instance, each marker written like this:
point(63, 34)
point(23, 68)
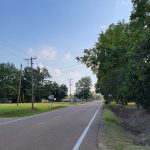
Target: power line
point(31, 61)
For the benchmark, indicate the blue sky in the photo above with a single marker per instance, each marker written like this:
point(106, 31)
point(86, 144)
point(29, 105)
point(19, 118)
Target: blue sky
point(56, 31)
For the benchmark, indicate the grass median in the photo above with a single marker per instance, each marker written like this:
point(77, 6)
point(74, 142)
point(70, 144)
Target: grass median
point(115, 137)
point(11, 110)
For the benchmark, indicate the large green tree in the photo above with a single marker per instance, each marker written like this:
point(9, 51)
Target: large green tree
point(63, 91)
point(83, 88)
point(139, 54)
point(108, 60)
point(9, 77)
point(120, 58)
point(40, 77)
point(53, 88)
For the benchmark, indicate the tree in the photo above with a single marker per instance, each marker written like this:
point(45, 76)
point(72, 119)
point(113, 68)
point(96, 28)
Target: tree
point(9, 77)
point(108, 60)
point(83, 87)
point(40, 76)
point(53, 88)
point(121, 58)
point(139, 63)
point(63, 90)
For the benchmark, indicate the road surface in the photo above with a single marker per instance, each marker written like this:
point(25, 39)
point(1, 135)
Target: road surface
point(71, 128)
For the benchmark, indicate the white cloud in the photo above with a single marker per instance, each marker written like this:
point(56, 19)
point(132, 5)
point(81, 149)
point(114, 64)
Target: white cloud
point(47, 54)
point(122, 2)
point(55, 72)
point(75, 74)
point(40, 65)
point(30, 52)
point(67, 56)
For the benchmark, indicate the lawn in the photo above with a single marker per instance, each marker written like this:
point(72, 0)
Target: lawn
point(24, 109)
point(114, 135)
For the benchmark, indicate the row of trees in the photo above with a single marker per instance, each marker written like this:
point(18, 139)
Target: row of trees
point(121, 58)
point(43, 87)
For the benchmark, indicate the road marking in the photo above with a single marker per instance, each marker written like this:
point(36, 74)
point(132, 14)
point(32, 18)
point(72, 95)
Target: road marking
point(78, 143)
point(16, 120)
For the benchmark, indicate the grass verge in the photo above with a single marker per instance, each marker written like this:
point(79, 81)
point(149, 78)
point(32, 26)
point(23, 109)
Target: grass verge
point(114, 135)
point(11, 110)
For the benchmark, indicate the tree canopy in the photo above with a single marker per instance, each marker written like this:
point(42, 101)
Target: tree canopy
point(83, 88)
point(121, 58)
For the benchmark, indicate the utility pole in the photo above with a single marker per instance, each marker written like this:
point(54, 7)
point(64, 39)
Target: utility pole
point(19, 86)
point(70, 84)
point(31, 61)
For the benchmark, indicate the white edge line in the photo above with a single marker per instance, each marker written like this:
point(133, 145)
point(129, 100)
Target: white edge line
point(24, 118)
point(78, 143)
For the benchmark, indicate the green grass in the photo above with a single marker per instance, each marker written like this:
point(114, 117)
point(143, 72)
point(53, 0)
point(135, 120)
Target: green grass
point(11, 110)
point(114, 135)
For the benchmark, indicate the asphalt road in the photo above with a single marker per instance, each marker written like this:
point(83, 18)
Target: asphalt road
point(58, 130)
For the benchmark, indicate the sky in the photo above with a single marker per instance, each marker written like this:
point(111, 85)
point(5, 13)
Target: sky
point(56, 32)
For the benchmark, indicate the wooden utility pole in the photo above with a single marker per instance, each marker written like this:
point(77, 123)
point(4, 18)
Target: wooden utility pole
point(70, 83)
point(19, 86)
point(31, 61)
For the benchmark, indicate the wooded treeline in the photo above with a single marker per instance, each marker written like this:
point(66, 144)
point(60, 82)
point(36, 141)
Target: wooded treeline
point(121, 58)
point(43, 87)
